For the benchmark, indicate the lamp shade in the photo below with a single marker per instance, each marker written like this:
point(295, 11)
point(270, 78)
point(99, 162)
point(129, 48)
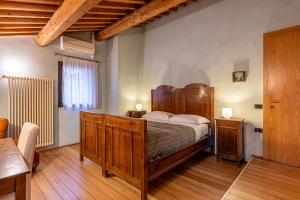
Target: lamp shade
point(227, 113)
point(138, 107)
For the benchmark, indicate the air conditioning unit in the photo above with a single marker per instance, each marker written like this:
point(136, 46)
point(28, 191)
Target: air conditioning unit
point(72, 44)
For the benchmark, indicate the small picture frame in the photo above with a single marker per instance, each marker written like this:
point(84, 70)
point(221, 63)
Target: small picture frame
point(239, 76)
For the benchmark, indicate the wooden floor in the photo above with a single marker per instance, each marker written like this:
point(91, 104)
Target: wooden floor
point(62, 176)
point(263, 179)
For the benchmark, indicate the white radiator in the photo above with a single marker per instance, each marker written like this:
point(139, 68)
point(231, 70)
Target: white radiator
point(31, 100)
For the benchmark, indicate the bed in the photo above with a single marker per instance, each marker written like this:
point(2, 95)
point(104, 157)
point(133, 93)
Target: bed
point(135, 150)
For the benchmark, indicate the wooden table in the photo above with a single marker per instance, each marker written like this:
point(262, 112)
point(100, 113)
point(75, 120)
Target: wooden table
point(13, 170)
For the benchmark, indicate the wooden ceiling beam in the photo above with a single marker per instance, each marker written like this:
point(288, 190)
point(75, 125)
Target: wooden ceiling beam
point(24, 14)
point(141, 2)
point(67, 14)
point(114, 5)
point(11, 31)
point(140, 15)
point(101, 11)
point(7, 20)
point(27, 7)
point(40, 26)
point(95, 16)
point(88, 26)
point(16, 34)
point(43, 21)
point(36, 31)
point(20, 26)
point(24, 30)
point(82, 29)
point(47, 2)
point(93, 21)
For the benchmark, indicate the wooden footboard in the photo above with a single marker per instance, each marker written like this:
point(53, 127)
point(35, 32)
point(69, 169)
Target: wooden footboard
point(118, 144)
point(126, 150)
point(92, 137)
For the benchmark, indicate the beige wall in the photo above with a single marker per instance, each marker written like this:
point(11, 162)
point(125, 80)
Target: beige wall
point(112, 75)
point(21, 56)
point(131, 58)
point(125, 54)
point(207, 41)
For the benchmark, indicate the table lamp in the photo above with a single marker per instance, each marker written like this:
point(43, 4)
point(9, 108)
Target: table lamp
point(138, 107)
point(227, 113)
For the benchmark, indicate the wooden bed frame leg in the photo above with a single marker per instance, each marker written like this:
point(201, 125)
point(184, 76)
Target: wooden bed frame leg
point(144, 190)
point(81, 157)
point(104, 172)
point(144, 172)
point(212, 149)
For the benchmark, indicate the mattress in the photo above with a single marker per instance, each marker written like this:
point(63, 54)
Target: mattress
point(165, 137)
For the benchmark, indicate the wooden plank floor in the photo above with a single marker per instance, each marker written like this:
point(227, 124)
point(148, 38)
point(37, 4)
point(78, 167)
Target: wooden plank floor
point(263, 179)
point(61, 175)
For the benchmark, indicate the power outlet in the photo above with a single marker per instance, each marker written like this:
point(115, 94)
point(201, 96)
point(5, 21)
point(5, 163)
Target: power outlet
point(258, 106)
point(258, 130)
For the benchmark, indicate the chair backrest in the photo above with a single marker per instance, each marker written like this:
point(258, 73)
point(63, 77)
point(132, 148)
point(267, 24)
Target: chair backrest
point(3, 127)
point(27, 141)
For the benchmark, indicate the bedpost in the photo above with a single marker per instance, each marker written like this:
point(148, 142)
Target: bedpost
point(104, 153)
point(144, 162)
point(82, 130)
point(104, 171)
point(212, 119)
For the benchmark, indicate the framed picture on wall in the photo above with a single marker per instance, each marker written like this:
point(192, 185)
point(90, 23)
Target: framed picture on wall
point(239, 76)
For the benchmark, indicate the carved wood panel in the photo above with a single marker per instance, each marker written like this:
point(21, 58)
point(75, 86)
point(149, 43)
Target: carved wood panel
point(163, 99)
point(195, 98)
point(125, 147)
point(92, 136)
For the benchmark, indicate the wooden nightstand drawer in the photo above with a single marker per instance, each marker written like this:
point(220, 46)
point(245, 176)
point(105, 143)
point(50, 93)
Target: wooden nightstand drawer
point(230, 138)
point(225, 123)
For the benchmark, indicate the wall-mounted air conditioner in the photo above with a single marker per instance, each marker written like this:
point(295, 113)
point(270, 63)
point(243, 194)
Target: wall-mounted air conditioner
point(72, 44)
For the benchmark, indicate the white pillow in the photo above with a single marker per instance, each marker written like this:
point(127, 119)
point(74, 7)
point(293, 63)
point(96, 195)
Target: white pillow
point(189, 119)
point(159, 115)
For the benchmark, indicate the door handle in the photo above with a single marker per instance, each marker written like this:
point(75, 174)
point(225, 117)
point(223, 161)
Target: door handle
point(275, 101)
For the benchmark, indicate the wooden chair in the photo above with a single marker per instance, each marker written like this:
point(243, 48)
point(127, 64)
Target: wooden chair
point(3, 127)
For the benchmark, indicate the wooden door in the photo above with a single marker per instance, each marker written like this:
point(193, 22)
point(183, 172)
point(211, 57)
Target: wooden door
point(282, 96)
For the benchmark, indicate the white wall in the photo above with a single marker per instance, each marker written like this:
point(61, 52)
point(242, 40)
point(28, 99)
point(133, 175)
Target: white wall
point(207, 41)
point(21, 56)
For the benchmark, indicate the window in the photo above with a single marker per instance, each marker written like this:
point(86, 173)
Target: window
point(77, 84)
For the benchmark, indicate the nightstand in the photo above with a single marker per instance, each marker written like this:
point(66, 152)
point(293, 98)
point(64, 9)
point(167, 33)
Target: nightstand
point(230, 139)
point(136, 114)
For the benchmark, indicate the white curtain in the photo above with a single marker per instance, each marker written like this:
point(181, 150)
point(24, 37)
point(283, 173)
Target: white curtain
point(80, 81)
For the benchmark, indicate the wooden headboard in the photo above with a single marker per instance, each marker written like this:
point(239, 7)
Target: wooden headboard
point(195, 98)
